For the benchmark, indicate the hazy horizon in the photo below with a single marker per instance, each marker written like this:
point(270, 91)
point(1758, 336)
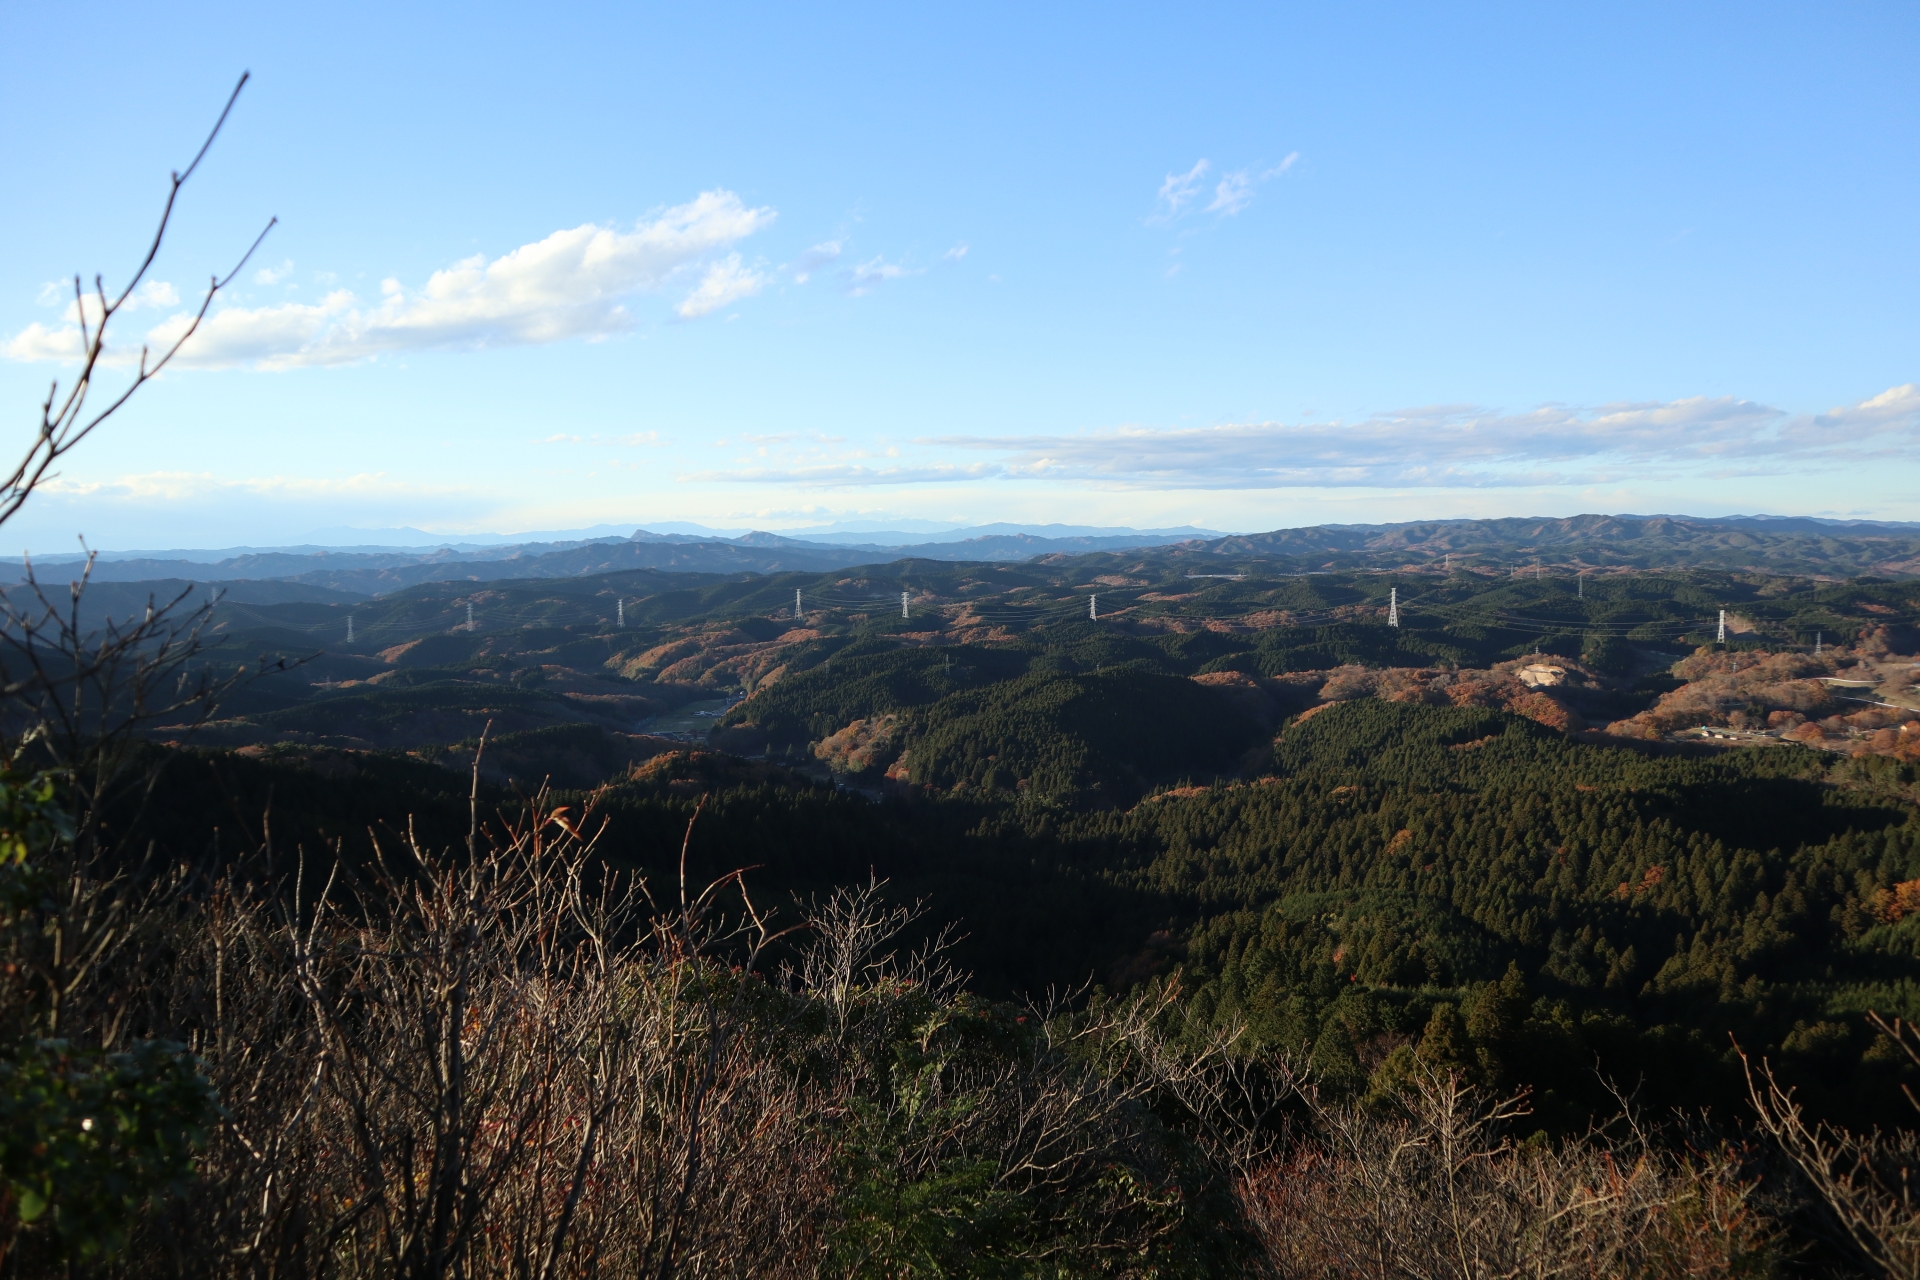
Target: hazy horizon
point(405, 539)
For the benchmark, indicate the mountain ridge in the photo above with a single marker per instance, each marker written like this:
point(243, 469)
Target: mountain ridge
point(1802, 545)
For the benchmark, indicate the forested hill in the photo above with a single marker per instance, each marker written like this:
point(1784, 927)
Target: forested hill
point(1472, 888)
point(1775, 544)
point(1371, 845)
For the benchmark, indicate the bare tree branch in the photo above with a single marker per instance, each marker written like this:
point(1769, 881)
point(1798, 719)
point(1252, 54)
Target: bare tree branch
point(65, 422)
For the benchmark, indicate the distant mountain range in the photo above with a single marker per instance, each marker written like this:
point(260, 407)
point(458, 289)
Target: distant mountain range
point(369, 571)
point(1785, 544)
point(488, 546)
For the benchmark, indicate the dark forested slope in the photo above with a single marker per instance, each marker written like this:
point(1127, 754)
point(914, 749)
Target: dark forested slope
point(1373, 845)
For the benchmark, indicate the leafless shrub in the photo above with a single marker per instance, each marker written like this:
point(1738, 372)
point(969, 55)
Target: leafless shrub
point(853, 949)
point(502, 1065)
point(1441, 1190)
point(1863, 1181)
point(1052, 1115)
point(76, 697)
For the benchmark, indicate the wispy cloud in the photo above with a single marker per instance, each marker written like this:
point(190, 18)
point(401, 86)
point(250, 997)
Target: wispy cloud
point(844, 475)
point(813, 259)
point(868, 276)
point(187, 486)
point(1441, 446)
point(273, 275)
point(956, 253)
point(1178, 191)
point(572, 284)
point(62, 342)
point(1231, 194)
point(725, 283)
point(633, 440)
point(1234, 193)
point(1463, 446)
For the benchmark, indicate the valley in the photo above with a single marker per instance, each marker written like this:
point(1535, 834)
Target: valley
point(1327, 827)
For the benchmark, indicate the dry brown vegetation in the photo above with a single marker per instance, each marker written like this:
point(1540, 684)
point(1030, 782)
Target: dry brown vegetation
point(1843, 700)
point(1864, 1182)
point(1434, 1186)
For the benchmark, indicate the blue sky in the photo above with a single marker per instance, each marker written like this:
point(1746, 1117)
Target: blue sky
point(782, 266)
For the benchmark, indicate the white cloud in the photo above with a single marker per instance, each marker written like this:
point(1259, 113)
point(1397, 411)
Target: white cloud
point(868, 276)
point(187, 486)
point(1451, 445)
point(570, 285)
point(956, 253)
point(276, 337)
point(1231, 194)
point(1444, 446)
point(815, 258)
point(725, 282)
point(273, 275)
point(37, 342)
point(634, 440)
point(1234, 193)
point(153, 293)
point(1178, 191)
point(842, 475)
